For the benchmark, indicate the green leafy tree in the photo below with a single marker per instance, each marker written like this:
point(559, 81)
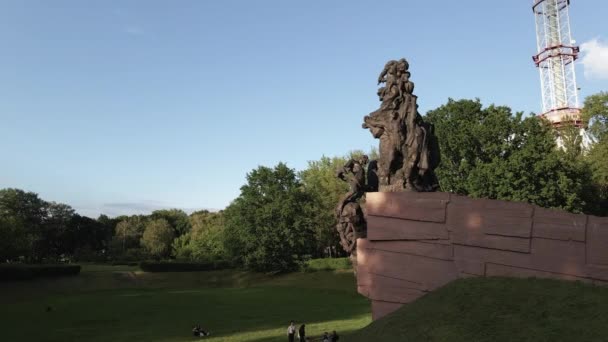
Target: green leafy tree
point(54, 230)
point(27, 212)
point(535, 172)
point(598, 158)
point(87, 239)
point(571, 139)
point(177, 218)
point(14, 241)
point(325, 189)
point(157, 238)
point(598, 162)
point(127, 235)
point(595, 112)
point(207, 236)
point(493, 153)
point(181, 248)
point(269, 227)
point(205, 242)
point(470, 135)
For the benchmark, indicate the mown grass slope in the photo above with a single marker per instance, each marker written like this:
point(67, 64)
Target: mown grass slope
point(498, 309)
point(124, 304)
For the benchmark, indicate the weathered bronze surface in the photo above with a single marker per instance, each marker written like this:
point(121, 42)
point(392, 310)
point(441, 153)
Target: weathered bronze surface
point(409, 153)
point(351, 221)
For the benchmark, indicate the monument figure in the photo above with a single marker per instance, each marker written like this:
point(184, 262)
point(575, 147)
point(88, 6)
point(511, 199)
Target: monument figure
point(408, 148)
point(409, 153)
point(351, 221)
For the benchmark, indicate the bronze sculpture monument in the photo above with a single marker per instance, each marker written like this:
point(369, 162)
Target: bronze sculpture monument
point(351, 221)
point(409, 153)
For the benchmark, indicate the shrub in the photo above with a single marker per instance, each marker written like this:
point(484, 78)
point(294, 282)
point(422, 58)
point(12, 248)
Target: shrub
point(124, 263)
point(170, 266)
point(24, 272)
point(327, 264)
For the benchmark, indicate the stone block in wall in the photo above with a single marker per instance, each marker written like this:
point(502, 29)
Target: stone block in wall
point(558, 256)
point(566, 257)
point(430, 272)
point(468, 275)
point(496, 270)
point(363, 244)
point(424, 248)
point(364, 247)
point(480, 254)
point(598, 272)
point(364, 275)
point(464, 215)
point(383, 281)
point(470, 267)
point(417, 206)
point(597, 240)
point(482, 216)
point(381, 309)
point(559, 225)
point(507, 208)
point(386, 228)
point(506, 243)
point(507, 218)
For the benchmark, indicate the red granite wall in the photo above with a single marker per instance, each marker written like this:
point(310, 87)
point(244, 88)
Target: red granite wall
point(417, 242)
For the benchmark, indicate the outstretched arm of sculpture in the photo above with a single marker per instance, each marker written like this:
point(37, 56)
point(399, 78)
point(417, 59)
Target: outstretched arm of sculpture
point(348, 167)
point(382, 76)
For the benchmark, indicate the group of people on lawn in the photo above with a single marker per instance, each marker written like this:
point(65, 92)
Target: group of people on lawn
point(292, 333)
point(300, 333)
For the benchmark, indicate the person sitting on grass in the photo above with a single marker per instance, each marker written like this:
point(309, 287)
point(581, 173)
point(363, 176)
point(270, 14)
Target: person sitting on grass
point(325, 337)
point(334, 337)
point(198, 331)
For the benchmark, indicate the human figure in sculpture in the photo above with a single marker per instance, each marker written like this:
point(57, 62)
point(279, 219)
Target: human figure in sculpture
point(390, 93)
point(396, 77)
point(354, 170)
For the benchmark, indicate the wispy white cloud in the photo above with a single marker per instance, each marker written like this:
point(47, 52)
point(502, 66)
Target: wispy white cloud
point(595, 59)
point(114, 209)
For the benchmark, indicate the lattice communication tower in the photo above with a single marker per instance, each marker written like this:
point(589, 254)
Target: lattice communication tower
point(555, 58)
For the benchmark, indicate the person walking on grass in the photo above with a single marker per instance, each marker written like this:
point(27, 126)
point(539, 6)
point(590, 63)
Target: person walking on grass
point(302, 333)
point(291, 332)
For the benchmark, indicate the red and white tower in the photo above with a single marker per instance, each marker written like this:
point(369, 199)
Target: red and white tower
point(555, 58)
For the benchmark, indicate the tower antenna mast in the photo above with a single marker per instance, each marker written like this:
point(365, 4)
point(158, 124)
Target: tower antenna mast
point(555, 58)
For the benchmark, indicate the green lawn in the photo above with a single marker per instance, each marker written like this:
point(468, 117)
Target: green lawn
point(118, 303)
point(496, 310)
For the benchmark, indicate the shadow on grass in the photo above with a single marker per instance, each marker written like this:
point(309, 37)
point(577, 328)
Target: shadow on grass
point(498, 309)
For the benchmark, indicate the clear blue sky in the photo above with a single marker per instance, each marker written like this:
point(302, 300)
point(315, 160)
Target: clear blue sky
point(129, 106)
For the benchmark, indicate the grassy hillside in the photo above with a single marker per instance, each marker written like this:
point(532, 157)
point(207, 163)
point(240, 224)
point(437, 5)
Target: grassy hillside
point(108, 303)
point(498, 309)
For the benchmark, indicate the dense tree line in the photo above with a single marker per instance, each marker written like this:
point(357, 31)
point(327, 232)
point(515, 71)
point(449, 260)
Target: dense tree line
point(494, 153)
point(283, 217)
